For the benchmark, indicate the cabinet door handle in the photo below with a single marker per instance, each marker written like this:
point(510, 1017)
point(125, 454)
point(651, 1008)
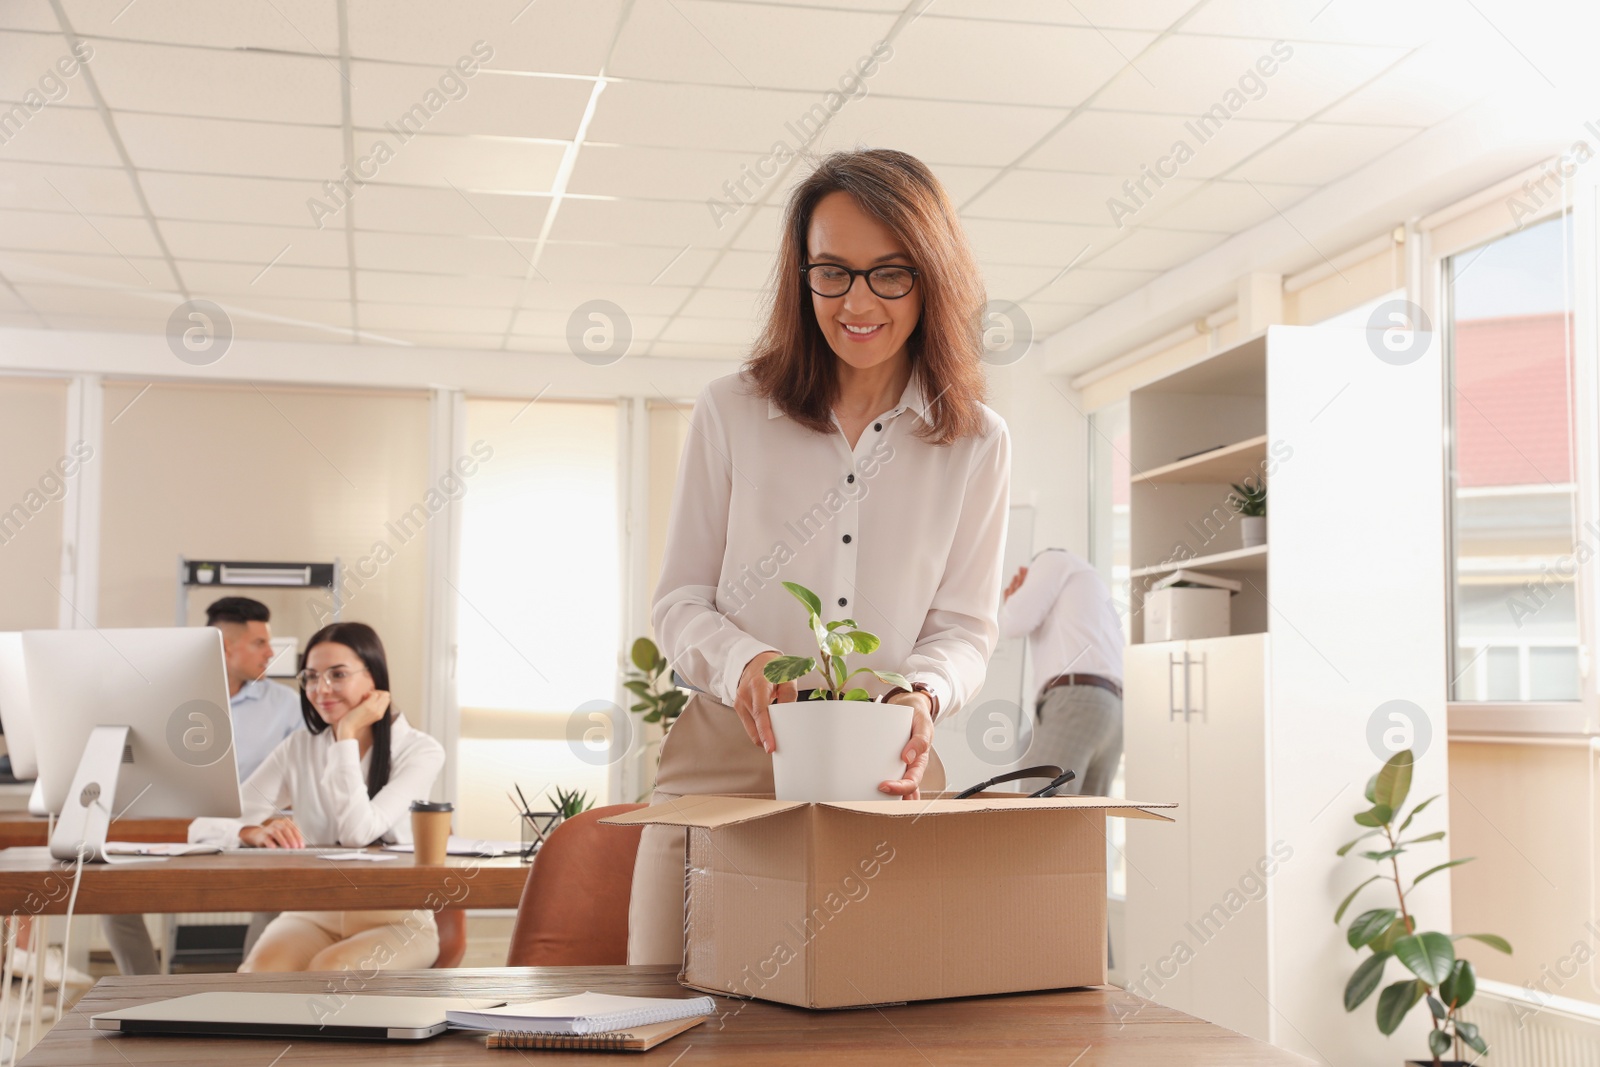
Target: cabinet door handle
point(1172, 696)
point(1199, 688)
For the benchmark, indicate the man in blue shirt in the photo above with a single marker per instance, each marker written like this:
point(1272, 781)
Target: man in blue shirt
point(263, 714)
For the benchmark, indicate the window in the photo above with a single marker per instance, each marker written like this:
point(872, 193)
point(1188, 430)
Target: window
point(538, 606)
point(1513, 525)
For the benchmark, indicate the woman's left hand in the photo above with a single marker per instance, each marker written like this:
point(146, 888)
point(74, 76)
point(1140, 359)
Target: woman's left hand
point(917, 747)
point(369, 711)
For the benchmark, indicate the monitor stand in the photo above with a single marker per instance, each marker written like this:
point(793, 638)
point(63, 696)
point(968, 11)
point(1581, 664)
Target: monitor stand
point(86, 814)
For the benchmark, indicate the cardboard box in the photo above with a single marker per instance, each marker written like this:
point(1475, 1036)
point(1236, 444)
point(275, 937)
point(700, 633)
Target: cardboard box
point(1184, 612)
point(832, 905)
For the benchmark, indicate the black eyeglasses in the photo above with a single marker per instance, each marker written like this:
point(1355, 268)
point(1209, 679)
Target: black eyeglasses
point(829, 279)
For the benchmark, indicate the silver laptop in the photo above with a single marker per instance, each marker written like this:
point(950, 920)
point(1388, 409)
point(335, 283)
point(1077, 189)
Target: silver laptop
point(337, 1015)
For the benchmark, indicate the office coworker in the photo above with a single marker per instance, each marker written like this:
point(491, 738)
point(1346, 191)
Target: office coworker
point(1075, 637)
point(350, 778)
point(263, 714)
point(852, 455)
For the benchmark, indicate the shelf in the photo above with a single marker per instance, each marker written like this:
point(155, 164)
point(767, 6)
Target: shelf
point(258, 575)
point(1240, 559)
point(1220, 465)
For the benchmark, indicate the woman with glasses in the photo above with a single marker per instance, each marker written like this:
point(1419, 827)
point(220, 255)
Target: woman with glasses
point(349, 779)
point(854, 456)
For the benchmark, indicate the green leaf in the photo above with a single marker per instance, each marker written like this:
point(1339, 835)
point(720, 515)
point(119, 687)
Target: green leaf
point(839, 675)
point(1437, 835)
point(1352, 844)
point(837, 645)
point(1378, 816)
point(1438, 1041)
point(1442, 866)
point(858, 694)
point(639, 707)
point(1387, 853)
point(1468, 1032)
point(891, 678)
point(654, 716)
point(812, 602)
point(1415, 812)
point(1365, 980)
point(642, 688)
point(788, 668)
point(1436, 1007)
point(1368, 925)
point(1461, 985)
point(1395, 1001)
point(1372, 789)
point(1494, 941)
point(1384, 942)
point(841, 622)
point(644, 654)
point(1429, 956)
point(1344, 904)
point(1394, 781)
point(819, 694)
point(865, 642)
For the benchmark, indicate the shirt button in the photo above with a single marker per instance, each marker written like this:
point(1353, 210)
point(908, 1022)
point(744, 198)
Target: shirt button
point(847, 539)
point(851, 478)
point(843, 602)
point(878, 426)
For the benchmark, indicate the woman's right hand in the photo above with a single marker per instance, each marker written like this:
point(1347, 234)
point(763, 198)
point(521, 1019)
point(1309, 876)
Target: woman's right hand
point(279, 831)
point(755, 694)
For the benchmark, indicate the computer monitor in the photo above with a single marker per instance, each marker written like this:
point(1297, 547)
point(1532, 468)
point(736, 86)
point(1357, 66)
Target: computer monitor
point(16, 720)
point(134, 719)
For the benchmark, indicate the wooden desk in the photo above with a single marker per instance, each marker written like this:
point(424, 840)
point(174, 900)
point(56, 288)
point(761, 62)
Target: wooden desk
point(21, 829)
point(31, 883)
point(1097, 1026)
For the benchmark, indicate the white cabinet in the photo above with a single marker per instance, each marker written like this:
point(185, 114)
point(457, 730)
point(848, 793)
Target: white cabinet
point(1263, 737)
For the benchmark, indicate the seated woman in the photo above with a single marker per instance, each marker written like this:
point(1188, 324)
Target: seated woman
point(350, 778)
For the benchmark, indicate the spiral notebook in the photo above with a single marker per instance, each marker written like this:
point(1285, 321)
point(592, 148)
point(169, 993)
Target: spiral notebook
point(584, 1013)
point(633, 1039)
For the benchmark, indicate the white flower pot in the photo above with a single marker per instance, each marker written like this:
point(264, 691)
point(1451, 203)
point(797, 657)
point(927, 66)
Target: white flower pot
point(837, 749)
point(1253, 530)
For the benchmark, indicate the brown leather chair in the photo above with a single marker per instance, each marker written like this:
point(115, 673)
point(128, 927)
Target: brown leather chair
point(574, 908)
point(452, 924)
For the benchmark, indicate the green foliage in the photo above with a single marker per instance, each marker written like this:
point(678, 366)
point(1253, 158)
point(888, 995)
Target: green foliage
point(1249, 500)
point(655, 697)
point(835, 640)
point(570, 802)
point(1437, 975)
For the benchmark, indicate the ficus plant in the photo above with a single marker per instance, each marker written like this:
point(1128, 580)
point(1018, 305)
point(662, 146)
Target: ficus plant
point(658, 700)
point(1434, 972)
point(835, 640)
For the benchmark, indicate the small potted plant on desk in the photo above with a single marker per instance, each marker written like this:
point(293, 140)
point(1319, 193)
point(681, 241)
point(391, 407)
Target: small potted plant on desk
point(840, 743)
point(1436, 975)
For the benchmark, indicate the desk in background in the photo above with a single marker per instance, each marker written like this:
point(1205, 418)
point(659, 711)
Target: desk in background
point(31, 884)
point(1086, 1027)
point(18, 829)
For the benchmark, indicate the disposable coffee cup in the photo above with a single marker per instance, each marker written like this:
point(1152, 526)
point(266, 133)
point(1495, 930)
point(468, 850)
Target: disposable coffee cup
point(430, 831)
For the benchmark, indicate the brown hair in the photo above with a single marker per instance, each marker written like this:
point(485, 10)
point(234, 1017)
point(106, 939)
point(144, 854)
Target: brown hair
point(792, 363)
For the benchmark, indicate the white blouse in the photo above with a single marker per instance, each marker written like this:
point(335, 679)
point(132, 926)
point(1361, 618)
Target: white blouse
point(901, 535)
point(324, 782)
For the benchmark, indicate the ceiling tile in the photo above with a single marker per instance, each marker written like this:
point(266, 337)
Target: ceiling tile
point(561, 36)
point(1092, 285)
point(715, 331)
point(394, 287)
point(1190, 75)
point(300, 246)
point(747, 44)
point(67, 231)
point(28, 15)
point(1380, 22)
point(71, 135)
point(488, 164)
point(633, 299)
point(216, 146)
point(1052, 318)
point(655, 222)
point(630, 265)
point(1033, 243)
point(1428, 86)
point(420, 98)
point(697, 350)
point(1232, 206)
point(727, 304)
point(741, 270)
point(1318, 153)
point(457, 212)
point(730, 118)
point(644, 172)
point(28, 64)
point(309, 26)
point(285, 311)
point(1125, 144)
point(261, 86)
point(443, 255)
point(1002, 65)
point(283, 280)
point(52, 300)
point(1146, 248)
point(385, 317)
point(224, 198)
point(1082, 199)
point(66, 268)
point(545, 322)
point(451, 339)
point(1145, 15)
point(940, 132)
point(42, 187)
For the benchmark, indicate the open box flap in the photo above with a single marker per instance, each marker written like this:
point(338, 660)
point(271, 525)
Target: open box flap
point(713, 811)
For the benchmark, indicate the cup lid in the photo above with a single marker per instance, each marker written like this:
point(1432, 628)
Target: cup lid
point(432, 805)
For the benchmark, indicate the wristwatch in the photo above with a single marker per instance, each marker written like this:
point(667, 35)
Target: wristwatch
point(918, 687)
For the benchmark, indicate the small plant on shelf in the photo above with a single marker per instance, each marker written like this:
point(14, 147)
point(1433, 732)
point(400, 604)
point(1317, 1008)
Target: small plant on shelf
point(1250, 501)
point(1436, 975)
point(835, 640)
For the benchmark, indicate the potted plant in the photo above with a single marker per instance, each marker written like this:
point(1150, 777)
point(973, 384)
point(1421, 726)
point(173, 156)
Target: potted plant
point(1250, 501)
point(657, 700)
point(537, 826)
point(1436, 975)
point(840, 743)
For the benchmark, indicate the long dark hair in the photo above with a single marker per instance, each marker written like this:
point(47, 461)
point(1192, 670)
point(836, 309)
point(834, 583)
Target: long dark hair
point(361, 639)
point(792, 363)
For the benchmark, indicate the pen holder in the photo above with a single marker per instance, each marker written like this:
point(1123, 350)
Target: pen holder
point(537, 826)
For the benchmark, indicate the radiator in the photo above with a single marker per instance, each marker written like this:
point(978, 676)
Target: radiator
point(1526, 1028)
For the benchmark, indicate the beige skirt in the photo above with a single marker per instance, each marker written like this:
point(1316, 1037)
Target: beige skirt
point(707, 751)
